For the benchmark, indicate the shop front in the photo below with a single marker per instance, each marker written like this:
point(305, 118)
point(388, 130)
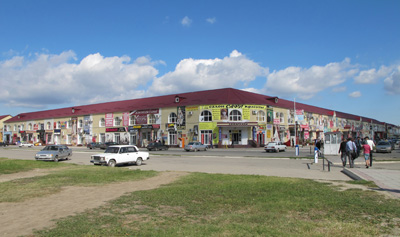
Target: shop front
point(235, 134)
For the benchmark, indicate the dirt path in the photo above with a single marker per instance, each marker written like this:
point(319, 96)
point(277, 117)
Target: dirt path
point(22, 218)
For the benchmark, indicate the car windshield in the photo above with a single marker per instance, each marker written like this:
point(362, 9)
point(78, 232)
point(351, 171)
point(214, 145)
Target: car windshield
point(112, 150)
point(50, 148)
point(383, 143)
point(191, 143)
point(271, 143)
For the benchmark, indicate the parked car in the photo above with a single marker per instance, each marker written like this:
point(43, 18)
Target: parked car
point(383, 146)
point(94, 145)
point(107, 144)
point(121, 154)
point(25, 144)
point(54, 153)
point(275, 146)
point(156, 146)
point(195, 146)
point(393, 144)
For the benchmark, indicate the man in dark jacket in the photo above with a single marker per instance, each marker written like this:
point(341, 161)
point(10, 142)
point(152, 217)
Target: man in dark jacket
point(342, 151)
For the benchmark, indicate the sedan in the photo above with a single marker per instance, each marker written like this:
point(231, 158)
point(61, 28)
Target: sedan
point(275, 146)
point(195, 146)
point(94, 145)
point(156, 146)
point(384, 146)
point(24, 144)
point(107, 144)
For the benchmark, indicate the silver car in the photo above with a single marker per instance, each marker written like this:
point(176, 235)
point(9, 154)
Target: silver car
point(54, 153)
point(384, 146)
point(195, 146)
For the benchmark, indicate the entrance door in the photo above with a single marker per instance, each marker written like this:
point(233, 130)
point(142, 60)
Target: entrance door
point(132, 140)
point(236, 136)
point(260, 139)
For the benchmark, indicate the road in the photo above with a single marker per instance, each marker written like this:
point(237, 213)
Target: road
point(253, 161)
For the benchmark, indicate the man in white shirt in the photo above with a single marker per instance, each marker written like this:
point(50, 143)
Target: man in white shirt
point(372, 146)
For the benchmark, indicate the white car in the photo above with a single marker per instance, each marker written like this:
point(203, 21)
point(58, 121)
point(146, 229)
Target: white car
point(275, 146)
point(24, 144)
point(121, 154)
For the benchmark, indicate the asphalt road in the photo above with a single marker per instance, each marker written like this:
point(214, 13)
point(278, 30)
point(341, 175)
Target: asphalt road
point(253, 161)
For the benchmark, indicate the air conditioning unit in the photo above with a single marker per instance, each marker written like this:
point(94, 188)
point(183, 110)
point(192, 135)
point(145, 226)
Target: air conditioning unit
point(190, 112)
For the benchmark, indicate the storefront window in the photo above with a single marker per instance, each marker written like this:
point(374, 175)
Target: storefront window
point(117, 137)
point(172, 118)
point(235, 115)
point(206, 116)
point(102, 137)
point(206, 136)
point(261, 116)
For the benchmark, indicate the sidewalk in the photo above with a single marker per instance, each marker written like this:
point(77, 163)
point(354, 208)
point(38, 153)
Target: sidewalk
point(386, 175)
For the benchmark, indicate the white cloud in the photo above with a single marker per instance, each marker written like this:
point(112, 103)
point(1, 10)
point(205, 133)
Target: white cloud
point(53, 79)
point(201, 74)
point(339, 89)
point(371, 76)
point(186, 21)
point(307, 82)
point(355, 94)
point(211, 20)
point(392, 82)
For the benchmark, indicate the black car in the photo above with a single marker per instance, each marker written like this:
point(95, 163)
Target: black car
point(94, 145)
point(156, 146)
point(107, 144)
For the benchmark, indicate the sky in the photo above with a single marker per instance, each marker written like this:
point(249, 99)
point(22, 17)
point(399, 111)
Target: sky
point(342, 55)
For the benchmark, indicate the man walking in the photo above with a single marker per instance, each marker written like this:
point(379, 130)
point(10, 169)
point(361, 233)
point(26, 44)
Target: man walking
point(372, 146)
point(351, 151)
point(342, 151)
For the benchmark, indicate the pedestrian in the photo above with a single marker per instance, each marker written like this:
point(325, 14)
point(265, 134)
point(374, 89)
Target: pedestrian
point(367, 152)
point(342, 151)
point(372, 146)
point(358, 145)
point(351, 151)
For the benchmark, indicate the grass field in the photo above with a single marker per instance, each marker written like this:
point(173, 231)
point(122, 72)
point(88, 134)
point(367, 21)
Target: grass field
point(221, 205)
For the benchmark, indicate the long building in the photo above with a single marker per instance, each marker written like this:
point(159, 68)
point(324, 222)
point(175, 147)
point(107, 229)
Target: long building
point(222, 117)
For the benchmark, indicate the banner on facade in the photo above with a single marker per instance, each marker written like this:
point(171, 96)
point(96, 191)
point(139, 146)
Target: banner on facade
point(181, 119)
point(109, 119)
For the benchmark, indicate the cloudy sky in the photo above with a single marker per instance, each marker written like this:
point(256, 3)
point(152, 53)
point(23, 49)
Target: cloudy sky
point(341, 55)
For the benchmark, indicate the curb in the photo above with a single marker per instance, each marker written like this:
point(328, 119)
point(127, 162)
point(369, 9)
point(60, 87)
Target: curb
point(351, 174)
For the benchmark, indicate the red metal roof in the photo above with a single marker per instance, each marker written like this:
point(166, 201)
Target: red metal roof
point(217, 96)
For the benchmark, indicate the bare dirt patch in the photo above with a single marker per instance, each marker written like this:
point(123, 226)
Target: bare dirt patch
point(22, 218)
point(27, 174)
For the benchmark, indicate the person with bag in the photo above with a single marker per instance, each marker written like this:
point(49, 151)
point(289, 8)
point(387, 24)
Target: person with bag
point(351, 151)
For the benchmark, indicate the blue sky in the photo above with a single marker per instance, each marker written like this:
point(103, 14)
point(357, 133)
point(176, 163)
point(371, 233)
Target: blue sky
point(341, 55)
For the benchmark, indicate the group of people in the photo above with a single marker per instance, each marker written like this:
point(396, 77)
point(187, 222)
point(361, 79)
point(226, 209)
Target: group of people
point(351, 148)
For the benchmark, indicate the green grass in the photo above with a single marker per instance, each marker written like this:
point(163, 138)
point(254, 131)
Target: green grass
point(67, 175)
point(9, 166)
point(238, 205)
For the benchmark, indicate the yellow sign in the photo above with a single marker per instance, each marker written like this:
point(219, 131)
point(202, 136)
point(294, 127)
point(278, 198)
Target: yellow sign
point(217, 110)
point(207, 126)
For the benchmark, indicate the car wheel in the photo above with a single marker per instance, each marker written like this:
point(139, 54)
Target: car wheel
point(195, 150)
point(56, 159)
point(156, 149)
point(112, 163)
point(139, 161)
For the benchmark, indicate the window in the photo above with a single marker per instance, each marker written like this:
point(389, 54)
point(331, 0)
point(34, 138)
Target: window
point(117, 137)
point(117, 121)
point(172, 118)
point(260, 116)
point(58, 126)
point(282, 118)
point(151, 119)
point(235, 115)
point(102, 137)
point(102, 122)
point(132, 120)
point(48, 126)
point(206, 136)
point(206, 116)
point(69, 124)
point(80, 123)
point(172, 138)
point(15, 127)
point(29, 126)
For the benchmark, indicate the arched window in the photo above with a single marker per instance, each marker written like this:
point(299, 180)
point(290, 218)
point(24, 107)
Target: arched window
point(48, 125)
point(58, 125)
point(30, 126)
point(80, 123)
point(151, 119)
point(102, 122)
point(172, 118)
point(15, 127)
point(260, 116)
point(22, 127)
point(205, 116)
point(235, 115)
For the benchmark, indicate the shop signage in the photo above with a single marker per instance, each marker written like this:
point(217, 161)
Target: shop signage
point(40, 131)
point(132, 129)
point(57, 131)
point(237, 124)
point(22, 132)
point(120, 129)
point(147, 126)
